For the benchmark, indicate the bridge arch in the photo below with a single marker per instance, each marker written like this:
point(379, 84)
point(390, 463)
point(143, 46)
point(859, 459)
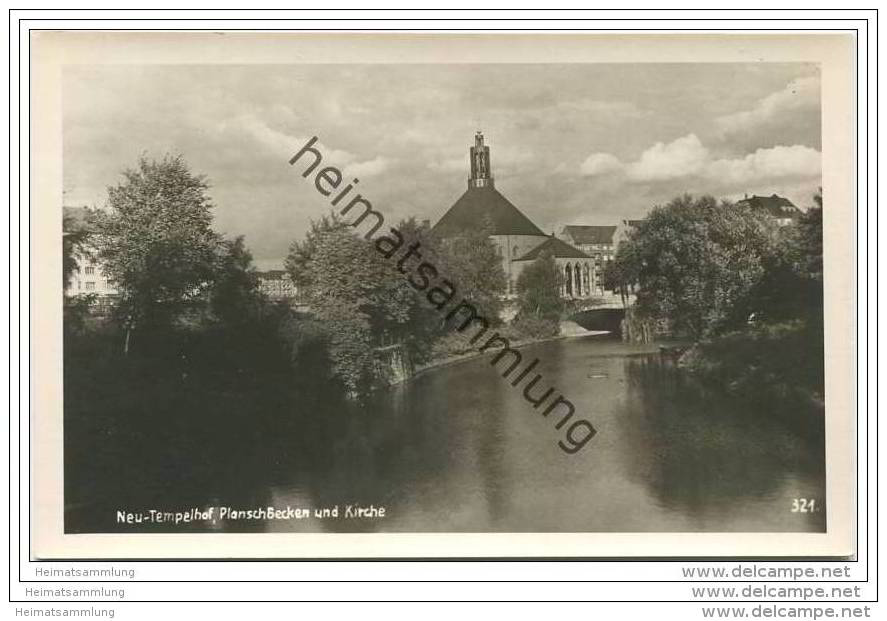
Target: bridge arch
point(600, 319)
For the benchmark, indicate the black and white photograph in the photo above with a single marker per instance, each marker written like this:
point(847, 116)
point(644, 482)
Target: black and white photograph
point(444, 297)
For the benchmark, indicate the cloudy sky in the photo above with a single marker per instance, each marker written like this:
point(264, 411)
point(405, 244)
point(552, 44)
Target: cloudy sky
point(570, 144)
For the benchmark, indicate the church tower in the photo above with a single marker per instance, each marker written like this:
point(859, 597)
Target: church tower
point(481, 176)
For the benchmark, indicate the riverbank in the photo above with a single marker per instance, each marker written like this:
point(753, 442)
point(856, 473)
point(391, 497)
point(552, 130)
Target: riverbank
point(451, 359)
point(779, 364)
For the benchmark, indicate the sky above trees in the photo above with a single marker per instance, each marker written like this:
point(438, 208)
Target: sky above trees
point(570, 144)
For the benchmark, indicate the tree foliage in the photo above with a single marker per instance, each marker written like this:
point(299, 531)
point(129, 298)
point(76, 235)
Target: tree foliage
point(539, 287)
point(809, 241)
point(155, 241)
point(360, 298)
point(364, 299)
point(235, 298)
point(696, 262)
point(708, 267)
point(473, 263)
point(303, 252)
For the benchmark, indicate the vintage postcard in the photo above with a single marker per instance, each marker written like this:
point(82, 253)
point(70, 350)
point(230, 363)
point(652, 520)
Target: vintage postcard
point(402, 295)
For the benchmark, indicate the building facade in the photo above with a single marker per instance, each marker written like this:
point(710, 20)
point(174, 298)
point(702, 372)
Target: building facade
point(598, 242)
point(277, 285)
point(517, 238)
point(576, 266)
point(88, 278)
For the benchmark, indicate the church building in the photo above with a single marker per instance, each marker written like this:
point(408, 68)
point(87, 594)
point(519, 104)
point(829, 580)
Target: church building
point(518, 239)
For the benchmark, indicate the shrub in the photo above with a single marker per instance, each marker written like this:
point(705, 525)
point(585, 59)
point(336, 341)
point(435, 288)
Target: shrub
point(781, 361)
point(528, 326)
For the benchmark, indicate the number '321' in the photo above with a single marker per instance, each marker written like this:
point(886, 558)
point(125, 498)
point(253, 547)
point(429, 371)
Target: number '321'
point(803, 505)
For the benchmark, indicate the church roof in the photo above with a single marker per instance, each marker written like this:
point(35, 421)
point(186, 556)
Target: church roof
point(484, 203)
point(556, 247)
point(585, 234)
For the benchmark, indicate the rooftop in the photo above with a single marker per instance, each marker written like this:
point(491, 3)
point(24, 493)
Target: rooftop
point(478, 204)
point(775, 205)
point(556, 247)
point(586, 234)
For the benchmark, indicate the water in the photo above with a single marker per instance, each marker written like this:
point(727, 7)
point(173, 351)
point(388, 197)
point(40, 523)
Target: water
point(459, 449)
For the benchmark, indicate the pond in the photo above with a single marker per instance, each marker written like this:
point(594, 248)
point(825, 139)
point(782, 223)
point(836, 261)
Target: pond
point(459, 449)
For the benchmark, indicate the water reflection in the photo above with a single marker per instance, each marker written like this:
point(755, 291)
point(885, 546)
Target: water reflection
point(458, 449)
point(712, 459)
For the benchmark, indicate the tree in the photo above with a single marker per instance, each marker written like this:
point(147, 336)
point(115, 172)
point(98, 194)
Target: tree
point(809, 240)
point(539, 287)
point(473, 263)
point(303, 252)
point(696, 263)
point(791, 287)
point(361, 298)
point(155, 241)
point(235, 297)
point(779, 357)
point(619, 275)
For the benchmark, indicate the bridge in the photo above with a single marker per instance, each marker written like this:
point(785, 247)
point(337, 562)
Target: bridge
point(600, 314)
point(596, 314)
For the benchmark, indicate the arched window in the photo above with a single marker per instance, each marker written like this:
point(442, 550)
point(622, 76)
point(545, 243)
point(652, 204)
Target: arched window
point(514, 251)
point(586, 274)
point(578, 276)
point(568, 279)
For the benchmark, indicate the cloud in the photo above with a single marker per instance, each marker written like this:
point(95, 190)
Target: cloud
point(776, 163)
point(600, 164)
point(508, 160)
point(277, 142)
point(799, 96)
point(285, 145)
point(449, 165)
point(687, 157)
point(599, 107)
point(411, 127)
point(679, 158)
point(369, 168)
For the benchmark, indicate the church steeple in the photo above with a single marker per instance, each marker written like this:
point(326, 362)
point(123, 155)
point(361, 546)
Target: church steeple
point(481, 175)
